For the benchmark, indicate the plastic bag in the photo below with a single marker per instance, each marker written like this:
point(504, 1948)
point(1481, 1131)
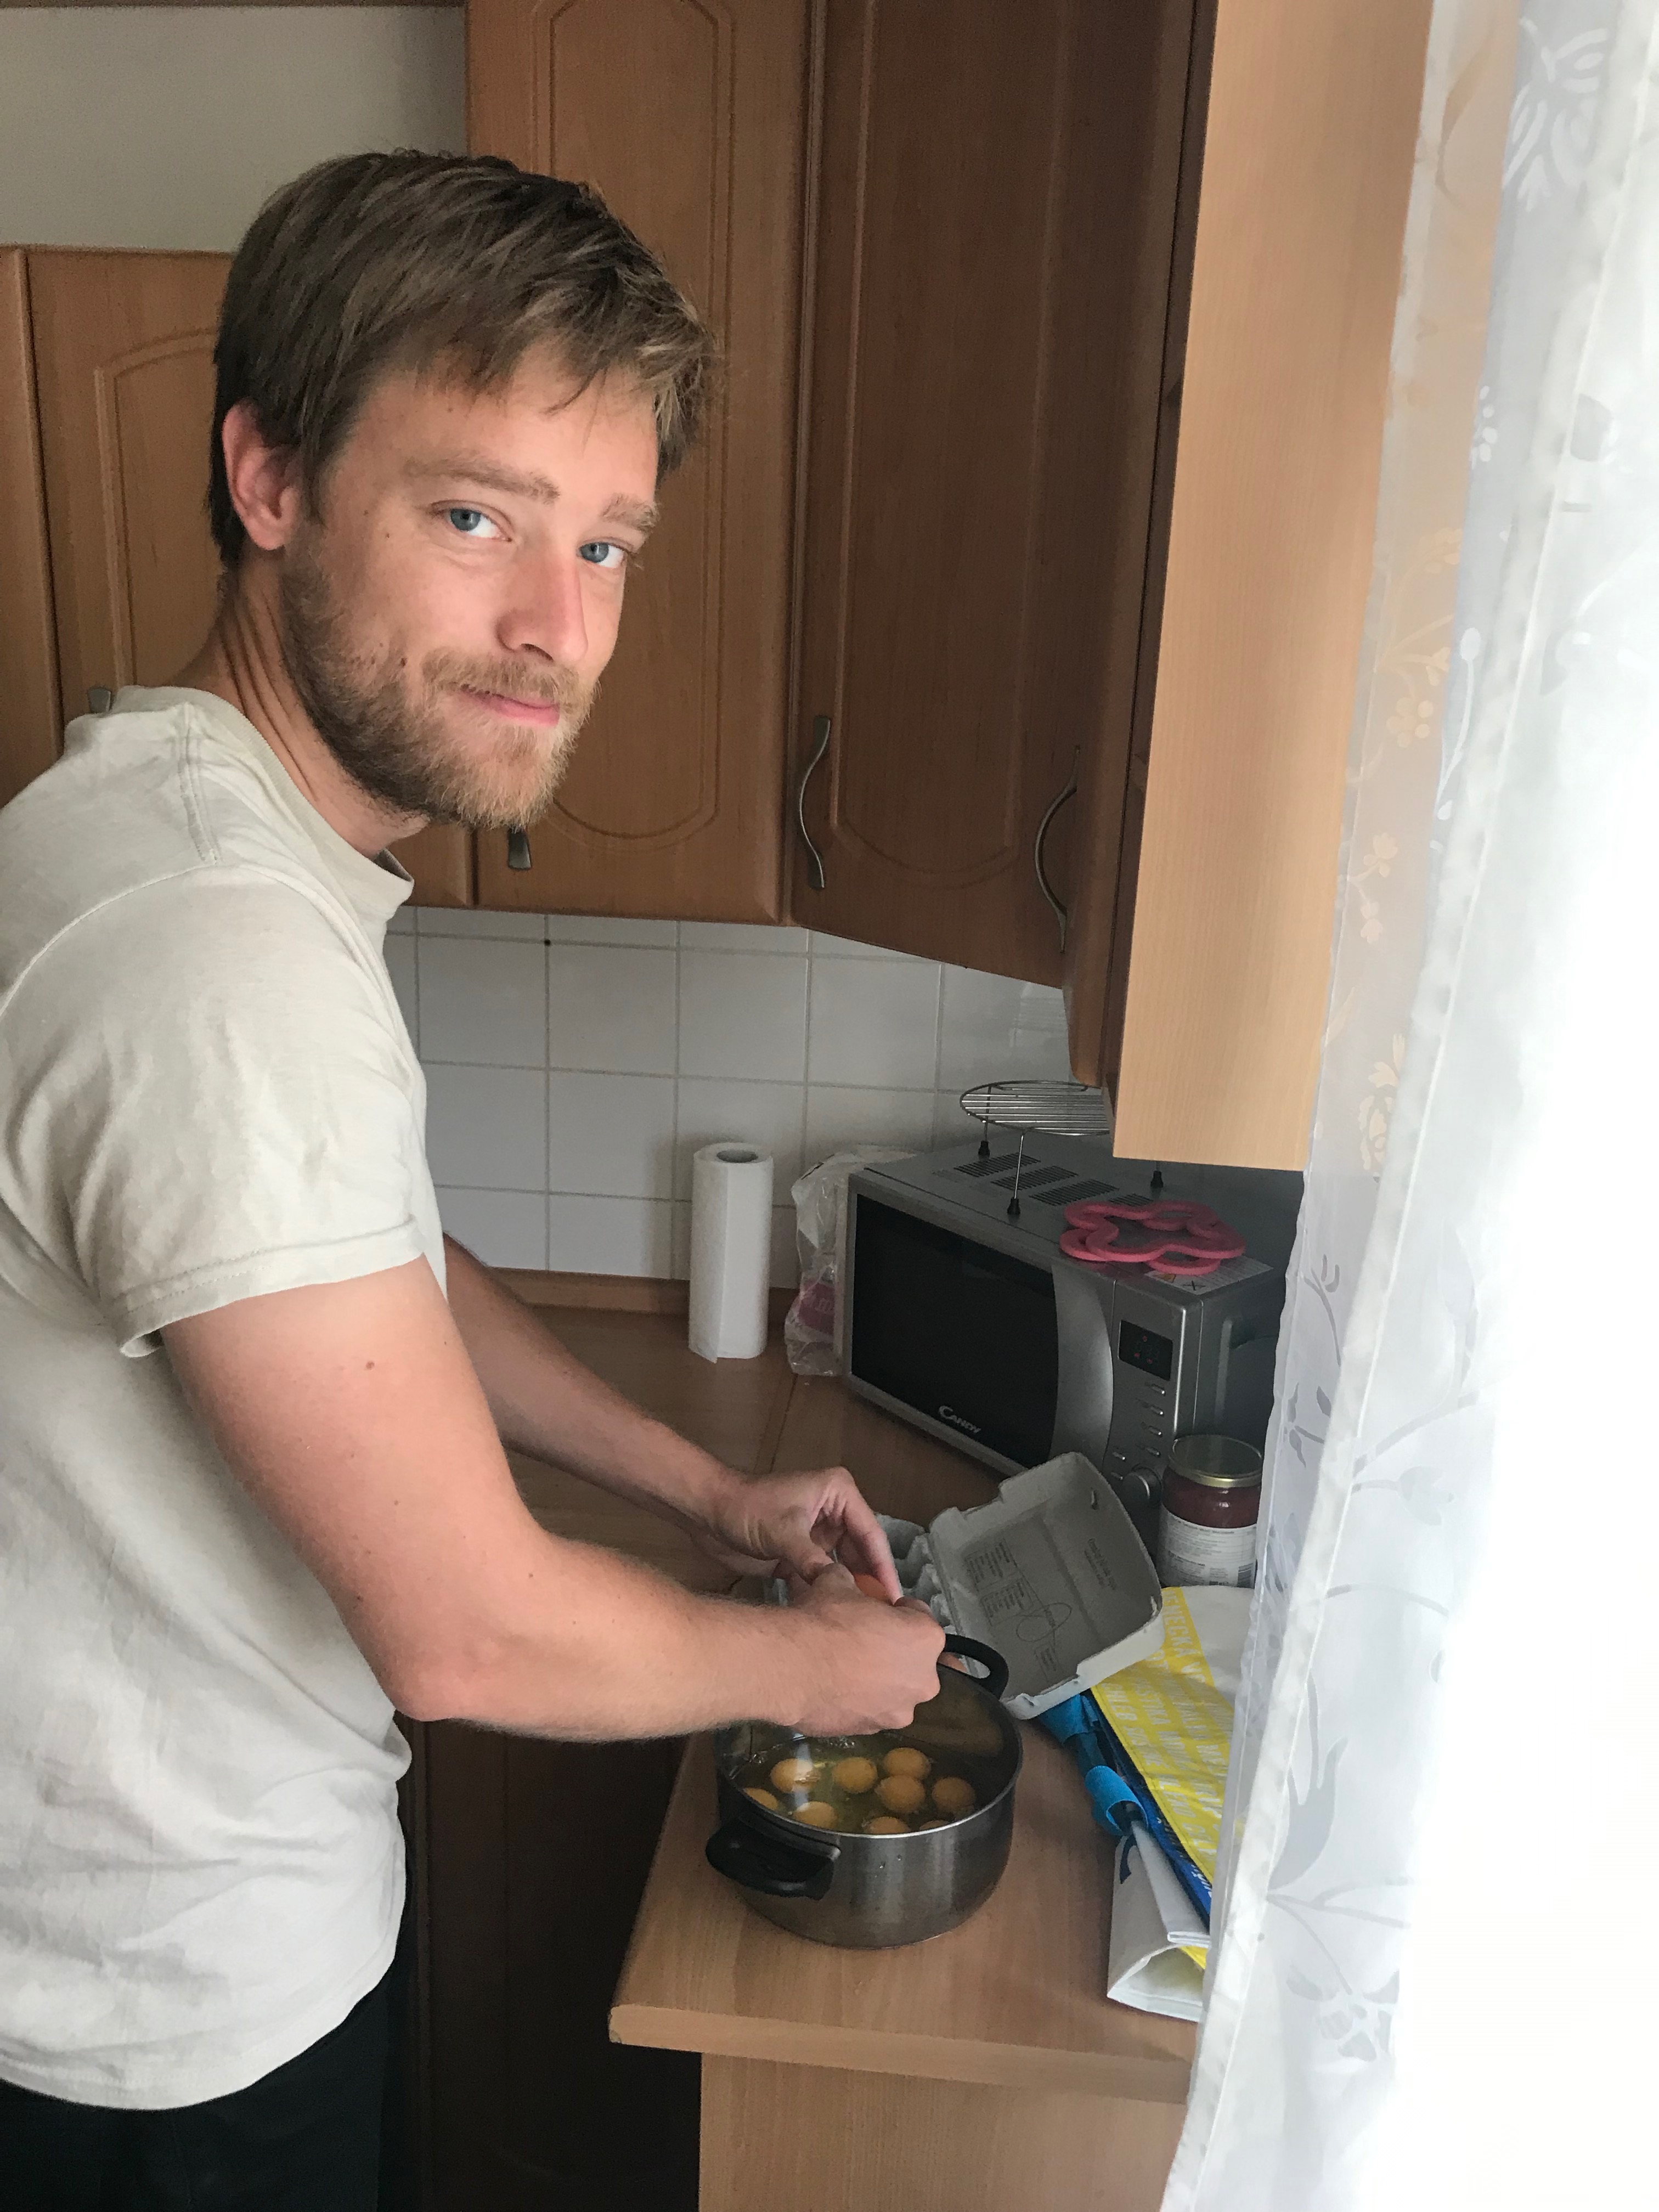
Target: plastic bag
point(812, 1327)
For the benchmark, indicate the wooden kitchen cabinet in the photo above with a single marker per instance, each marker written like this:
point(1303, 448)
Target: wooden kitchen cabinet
point(1197, 979)
point(529, 1861)
point(690, 120)
point(105, 411)
point(992, 216)
point(1037, 510)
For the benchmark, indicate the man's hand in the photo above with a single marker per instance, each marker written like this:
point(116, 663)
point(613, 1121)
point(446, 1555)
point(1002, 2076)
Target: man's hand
point(353, 1417)
point(878, 1662)
point(800, 1525)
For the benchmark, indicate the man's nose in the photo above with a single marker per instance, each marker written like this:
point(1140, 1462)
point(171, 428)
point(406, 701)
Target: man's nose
point(546, 614)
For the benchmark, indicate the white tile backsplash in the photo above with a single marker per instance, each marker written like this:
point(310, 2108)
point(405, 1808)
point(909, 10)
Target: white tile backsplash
point(484, 1000)
point(951, 1125)
point(610, 1136)
point(837, 1116)
point(741, 937)
point(994, 1027)
point(400, 966)
point(469, 922)
point(505, 1228)
point(825, 947)
point(612, 1008)
point(608, 929)
point(574, 1064)
point(611, 1236)
point(486, 1127)
point(744, 1014)
point(874, 1021)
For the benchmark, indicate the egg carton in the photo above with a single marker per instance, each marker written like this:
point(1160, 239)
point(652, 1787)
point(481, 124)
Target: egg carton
point(918, 1573)
point(1050, 1573)
point(918, 1570)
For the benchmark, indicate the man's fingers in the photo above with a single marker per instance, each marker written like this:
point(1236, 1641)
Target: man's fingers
point(827, 1577)
point(803, 1555)
point(864, 1546)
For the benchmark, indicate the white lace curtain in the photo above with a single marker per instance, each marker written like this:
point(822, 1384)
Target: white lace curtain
point(1437, 1976)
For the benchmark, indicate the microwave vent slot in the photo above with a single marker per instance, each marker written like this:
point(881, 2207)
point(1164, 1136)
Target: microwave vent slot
point(1033, 1179)
point(1074, 1194)
point(1000, 1165)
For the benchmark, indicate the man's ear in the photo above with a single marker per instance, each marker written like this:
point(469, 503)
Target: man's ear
point(263, 480)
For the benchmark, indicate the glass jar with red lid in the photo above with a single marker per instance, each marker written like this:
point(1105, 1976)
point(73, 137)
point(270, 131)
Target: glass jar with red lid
point(1207, 1525)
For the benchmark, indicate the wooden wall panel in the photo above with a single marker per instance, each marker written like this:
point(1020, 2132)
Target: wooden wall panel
point(1312, 123)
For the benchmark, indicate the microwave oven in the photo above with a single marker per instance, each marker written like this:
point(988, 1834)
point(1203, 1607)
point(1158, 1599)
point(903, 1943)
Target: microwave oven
point(961, 1314)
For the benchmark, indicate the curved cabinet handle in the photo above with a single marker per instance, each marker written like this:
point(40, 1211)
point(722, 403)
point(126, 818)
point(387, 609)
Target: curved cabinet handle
point(1060, 913)
point(518, 849)
point(820, 746)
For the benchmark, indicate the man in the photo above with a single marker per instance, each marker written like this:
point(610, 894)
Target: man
point(253, 1493)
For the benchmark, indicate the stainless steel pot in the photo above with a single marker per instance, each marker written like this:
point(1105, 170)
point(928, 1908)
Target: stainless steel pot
point(871, 1892)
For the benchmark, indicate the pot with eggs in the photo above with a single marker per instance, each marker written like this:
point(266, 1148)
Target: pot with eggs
point(872, 1841)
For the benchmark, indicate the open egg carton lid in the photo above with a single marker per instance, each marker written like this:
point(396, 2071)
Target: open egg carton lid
point(1050, 1573)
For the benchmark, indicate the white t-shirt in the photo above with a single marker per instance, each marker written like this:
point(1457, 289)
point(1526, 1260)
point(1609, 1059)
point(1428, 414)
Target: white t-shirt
point(206, 1092)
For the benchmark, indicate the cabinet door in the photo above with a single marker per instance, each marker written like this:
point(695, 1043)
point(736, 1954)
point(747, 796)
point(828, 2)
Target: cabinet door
point(689, 118)
point(30, 728)
point(978, 410)
point(1310, 131)
point(535, 1859)
point(124, 362)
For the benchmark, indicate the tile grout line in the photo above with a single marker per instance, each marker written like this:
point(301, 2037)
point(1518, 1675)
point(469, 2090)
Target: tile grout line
point(807, 1062)
point(666, 1075)
point(674, 1145)
point(547, 1095)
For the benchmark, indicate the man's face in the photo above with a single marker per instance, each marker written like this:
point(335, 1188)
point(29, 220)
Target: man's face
point(447, 617)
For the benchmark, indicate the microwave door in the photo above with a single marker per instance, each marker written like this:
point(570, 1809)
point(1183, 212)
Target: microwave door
point(951, 1333)
point(1084, 1314)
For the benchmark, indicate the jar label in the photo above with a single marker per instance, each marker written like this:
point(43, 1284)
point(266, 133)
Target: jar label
point(1188, 1553)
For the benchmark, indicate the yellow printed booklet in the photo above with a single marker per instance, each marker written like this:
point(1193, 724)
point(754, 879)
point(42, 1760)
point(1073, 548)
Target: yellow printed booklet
point(1173, 1714)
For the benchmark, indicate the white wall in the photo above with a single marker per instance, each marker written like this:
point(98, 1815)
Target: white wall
point(574, 1066)
point(169, 126)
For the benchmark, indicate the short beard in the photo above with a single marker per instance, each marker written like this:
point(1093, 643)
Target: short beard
point(388, 735)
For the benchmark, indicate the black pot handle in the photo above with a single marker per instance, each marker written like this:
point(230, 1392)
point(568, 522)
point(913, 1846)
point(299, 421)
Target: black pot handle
point(747, 1854)
point(995, 1666)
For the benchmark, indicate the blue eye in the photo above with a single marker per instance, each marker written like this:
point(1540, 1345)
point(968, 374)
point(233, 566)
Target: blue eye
point(603, 553)
point(470, 521)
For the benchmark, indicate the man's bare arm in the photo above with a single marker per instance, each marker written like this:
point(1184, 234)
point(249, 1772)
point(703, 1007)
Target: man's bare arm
point(546, 1403)
point(352, 1414)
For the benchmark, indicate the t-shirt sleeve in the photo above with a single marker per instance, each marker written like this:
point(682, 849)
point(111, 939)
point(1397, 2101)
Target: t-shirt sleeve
point(219, 1100)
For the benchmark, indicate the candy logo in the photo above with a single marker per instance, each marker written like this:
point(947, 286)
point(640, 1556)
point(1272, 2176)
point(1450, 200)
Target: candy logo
point(956, 1419)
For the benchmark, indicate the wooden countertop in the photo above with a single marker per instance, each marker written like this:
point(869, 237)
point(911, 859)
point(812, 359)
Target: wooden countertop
point(1016, 1997)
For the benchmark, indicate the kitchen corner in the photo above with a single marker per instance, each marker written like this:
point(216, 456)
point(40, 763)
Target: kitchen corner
point(985, 2067)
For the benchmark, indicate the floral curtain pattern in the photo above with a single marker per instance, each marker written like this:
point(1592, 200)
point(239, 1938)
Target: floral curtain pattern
point(1394, 771)
point(1411, 2000)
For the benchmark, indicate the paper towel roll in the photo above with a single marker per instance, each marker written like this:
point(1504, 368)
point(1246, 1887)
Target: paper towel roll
point(731, 1250)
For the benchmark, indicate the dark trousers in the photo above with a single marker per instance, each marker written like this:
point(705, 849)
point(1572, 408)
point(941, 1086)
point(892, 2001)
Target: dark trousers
point(306, 2138)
